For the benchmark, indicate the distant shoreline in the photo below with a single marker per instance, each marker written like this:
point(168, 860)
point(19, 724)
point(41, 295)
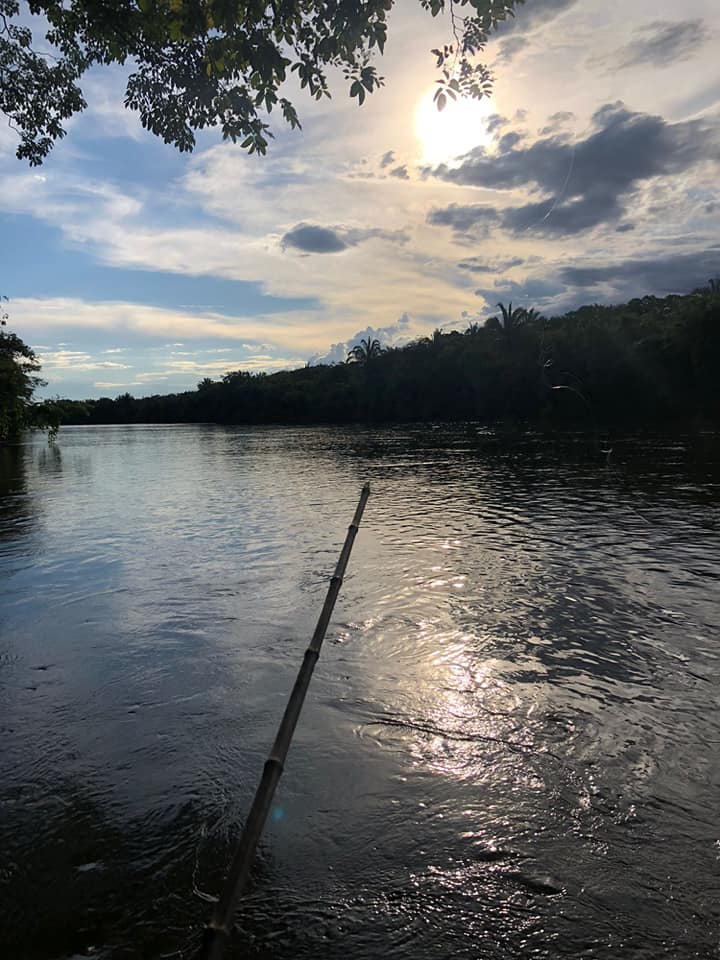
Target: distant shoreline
point(652, 360)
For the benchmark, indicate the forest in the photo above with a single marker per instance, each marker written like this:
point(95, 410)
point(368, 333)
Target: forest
point(649, 360)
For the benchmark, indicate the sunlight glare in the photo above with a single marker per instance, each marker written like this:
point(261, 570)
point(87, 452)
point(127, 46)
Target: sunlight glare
point(460, 127)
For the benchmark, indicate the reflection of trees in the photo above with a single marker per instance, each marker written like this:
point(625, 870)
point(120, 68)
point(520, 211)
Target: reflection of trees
point(18, 508)
point(16, 511)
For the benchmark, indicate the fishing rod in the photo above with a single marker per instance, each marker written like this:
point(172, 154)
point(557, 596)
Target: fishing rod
point(217, 932)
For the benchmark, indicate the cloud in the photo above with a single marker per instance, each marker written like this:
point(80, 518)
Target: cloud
point(310, 238)
point(557, 122)
point(387, 158)
point(665, 273)
point(464, 218)
point(77, 360)
point(495, 122)
point(483, 265)
point(534, 15)
point(510, 47)
point(300, 332)
point(106, 385)
point(582, 184)
point(313, 239)
point(662, 43)
point(393, 335)
point(400, 172)
point(208, 368)
point(531, 290)
point(508, 141)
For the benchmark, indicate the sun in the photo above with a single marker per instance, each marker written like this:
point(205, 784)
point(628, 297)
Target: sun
point(460, 127)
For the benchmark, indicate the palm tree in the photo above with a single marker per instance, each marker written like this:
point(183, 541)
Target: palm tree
point(365, 351)
point(472, 329)
point(511, 319)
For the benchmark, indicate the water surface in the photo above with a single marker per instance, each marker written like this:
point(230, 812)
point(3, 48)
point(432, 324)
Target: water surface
point(511, 747)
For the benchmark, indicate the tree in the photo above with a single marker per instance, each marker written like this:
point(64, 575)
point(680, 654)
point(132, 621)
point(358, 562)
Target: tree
point(511, 319)
point(365, 351)
point(434, 342)
point(215, 63)
point(18, 381)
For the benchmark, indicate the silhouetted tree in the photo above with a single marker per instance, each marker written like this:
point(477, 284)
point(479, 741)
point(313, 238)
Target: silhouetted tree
point(365, 351)
point(511, 319)
point(18, 381)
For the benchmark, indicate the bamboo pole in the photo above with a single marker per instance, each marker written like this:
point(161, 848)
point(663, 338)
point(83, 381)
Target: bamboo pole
point(217, 932)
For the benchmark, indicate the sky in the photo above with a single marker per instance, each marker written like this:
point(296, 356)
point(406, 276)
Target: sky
point(591, 176)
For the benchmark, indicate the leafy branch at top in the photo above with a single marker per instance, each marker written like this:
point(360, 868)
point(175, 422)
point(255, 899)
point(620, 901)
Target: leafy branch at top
point(214, 63)
point(461, 75)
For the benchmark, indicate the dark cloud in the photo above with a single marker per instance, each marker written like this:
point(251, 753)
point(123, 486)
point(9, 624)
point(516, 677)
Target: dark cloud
point(562, 116)
point(625, 228)
point(310, 238)
point(463, 218)
point(510, 47)
point(495, 122)
point(313, 239)
point(557, 122)
point(532, 290)
point(400, 172)
point(509, 140)
point(668, 273)
point(662, 43)
point(387, 158)
point(482, 265)
point(572, 285)
point(583, 183)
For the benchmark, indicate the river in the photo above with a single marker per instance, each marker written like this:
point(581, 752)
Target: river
point(511, 745)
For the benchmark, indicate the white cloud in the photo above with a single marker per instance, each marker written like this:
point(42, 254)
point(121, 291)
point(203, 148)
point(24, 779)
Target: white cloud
point(105, 385)
point(76, 360)
point(394, 335)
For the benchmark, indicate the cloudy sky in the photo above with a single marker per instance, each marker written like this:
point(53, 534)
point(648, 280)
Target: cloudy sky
point(591, 176)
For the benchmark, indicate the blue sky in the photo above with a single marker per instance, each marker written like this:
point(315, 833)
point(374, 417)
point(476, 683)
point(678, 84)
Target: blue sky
point(590, 177)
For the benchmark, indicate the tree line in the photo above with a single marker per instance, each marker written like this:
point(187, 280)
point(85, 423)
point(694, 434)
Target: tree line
point(652, 359)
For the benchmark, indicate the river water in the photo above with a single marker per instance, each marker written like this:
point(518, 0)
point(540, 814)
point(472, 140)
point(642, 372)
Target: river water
point(511, 745)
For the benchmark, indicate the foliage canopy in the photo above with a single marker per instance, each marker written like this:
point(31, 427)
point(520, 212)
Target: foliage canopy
point(222, 63)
